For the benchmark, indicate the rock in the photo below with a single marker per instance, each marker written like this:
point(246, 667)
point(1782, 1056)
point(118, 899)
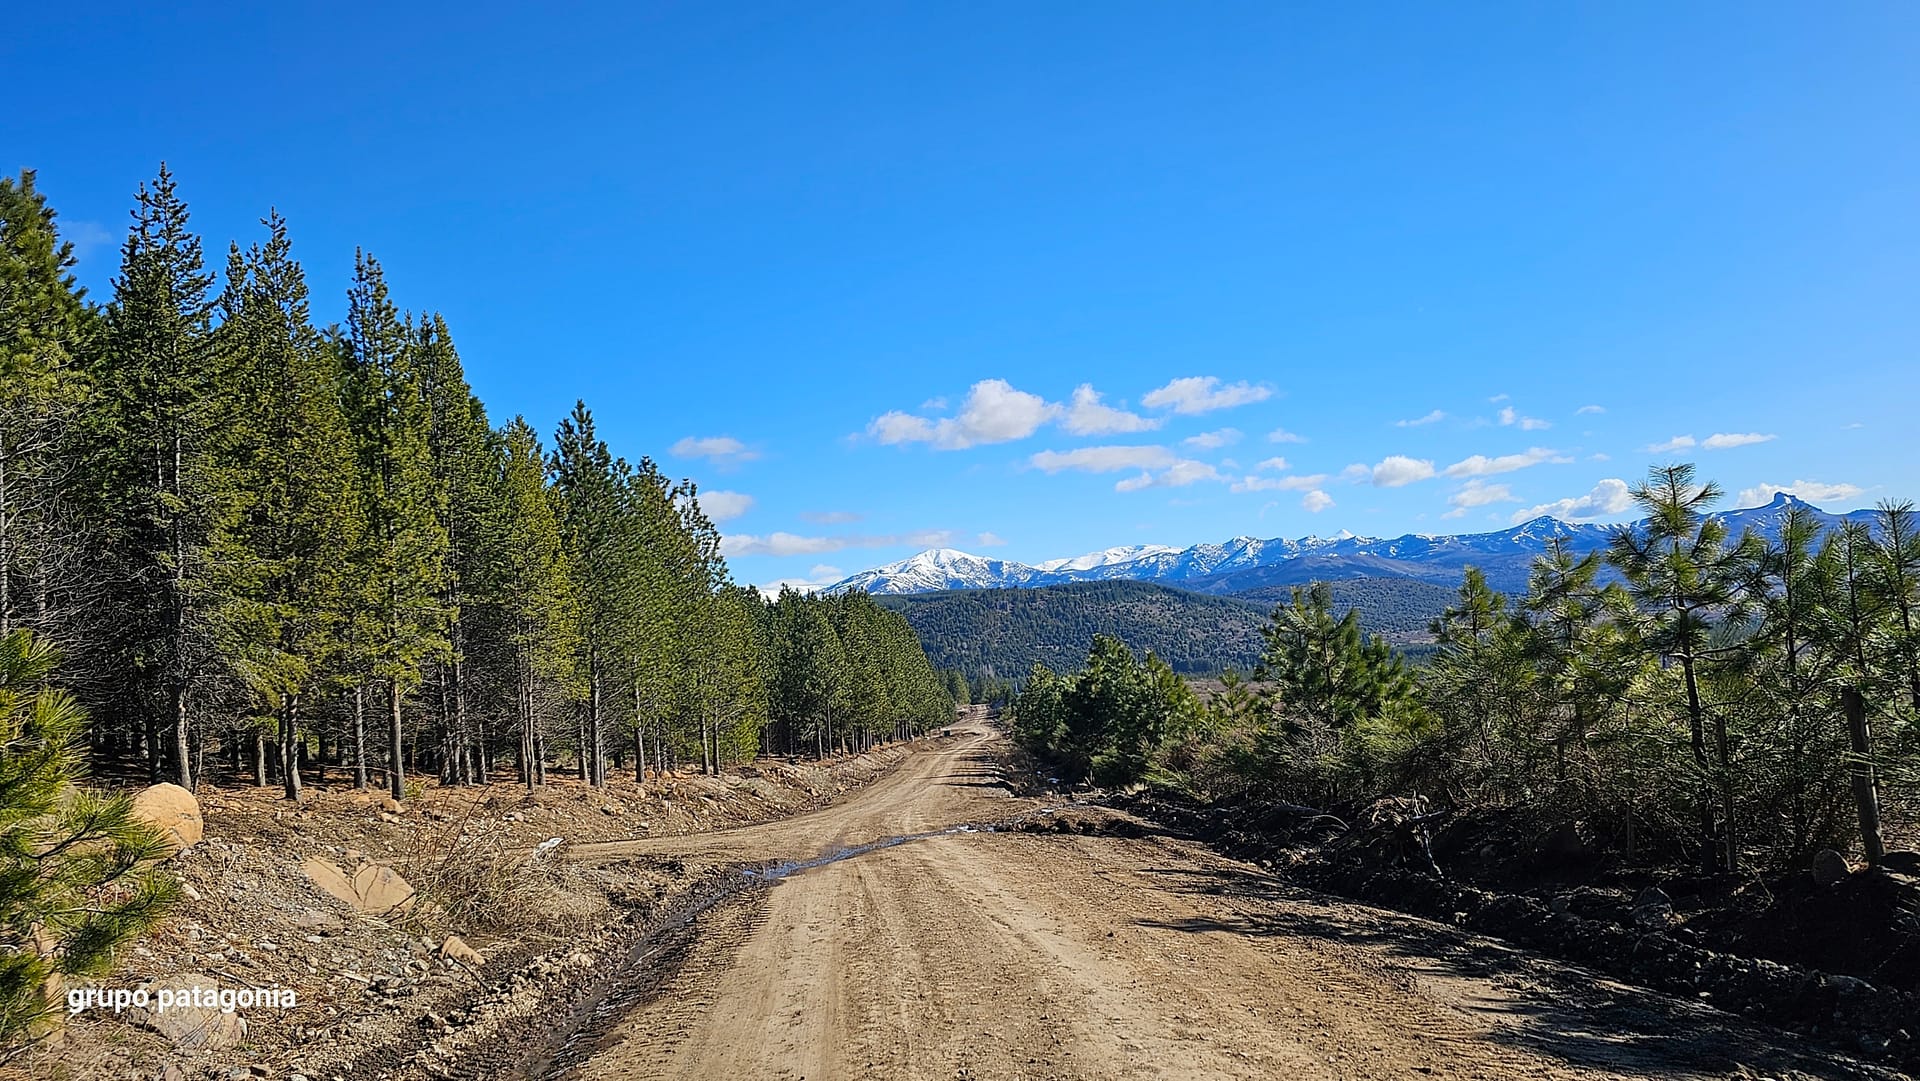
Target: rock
point(315, 920)
point(1570, 842)
point(170, 1072)
point(1850, 985)
point(173, 811)
point(187, 890)
point(393, 806)
point(1901, 862)
point(1652, 908)
point(371, 888)
point(191, 1027)
point(456, 950)
point(392, 819)
point(1830, 867)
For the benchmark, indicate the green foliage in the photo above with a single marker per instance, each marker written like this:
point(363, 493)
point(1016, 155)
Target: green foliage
point(1105, 722)
point(1006, 631)
point(77, 874)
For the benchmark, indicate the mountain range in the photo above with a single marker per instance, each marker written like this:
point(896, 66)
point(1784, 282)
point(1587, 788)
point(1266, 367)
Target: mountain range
point(1244, 564)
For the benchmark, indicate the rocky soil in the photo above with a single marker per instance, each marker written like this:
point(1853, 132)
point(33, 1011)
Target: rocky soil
point(392, 922)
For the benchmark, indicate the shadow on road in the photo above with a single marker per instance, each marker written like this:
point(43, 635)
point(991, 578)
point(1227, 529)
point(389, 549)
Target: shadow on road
point(1545, 1007)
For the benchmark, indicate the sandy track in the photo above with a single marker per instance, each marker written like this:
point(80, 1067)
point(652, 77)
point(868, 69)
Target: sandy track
point(1000, 955)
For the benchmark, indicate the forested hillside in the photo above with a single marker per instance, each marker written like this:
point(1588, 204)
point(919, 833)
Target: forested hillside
point(1397, 609)
point(264, 547)
point(1010, 630)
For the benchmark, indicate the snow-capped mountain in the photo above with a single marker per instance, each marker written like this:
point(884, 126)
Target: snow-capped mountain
point(941, 568)
point(1245, 563)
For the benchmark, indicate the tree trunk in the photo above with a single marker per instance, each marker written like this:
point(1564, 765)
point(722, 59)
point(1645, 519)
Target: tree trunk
point(397, 775)
point(290, 745)
point(1710, 859)
point(182, 749)
point(259, 743)
point(1866, 799)
point(596, 769)
point(360, 737)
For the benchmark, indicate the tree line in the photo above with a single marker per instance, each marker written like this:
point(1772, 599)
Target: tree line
point(1717, 701)
point(262, 547)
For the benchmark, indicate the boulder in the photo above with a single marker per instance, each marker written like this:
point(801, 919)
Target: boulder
point(1830, 867)
point(393, 806)
point(1652, 909)
point(192, 1027)
point(455, 950)
point(370, 888)
point(173, 811)
point(1570, 842)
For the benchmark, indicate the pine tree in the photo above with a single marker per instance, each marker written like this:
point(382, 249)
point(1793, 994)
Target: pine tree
point(291, 510)
point(160, 406)
point(1686, 583)
point(597, 543)
point(45, 330)
point(403, 505)
point(536, 593)
point(78, 877)
point(466, 467)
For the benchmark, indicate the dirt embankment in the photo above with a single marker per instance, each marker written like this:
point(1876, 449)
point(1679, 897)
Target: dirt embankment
point(1838, 961)
point(488, 910)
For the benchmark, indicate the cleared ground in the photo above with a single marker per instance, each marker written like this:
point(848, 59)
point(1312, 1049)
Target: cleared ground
point(1015, 955)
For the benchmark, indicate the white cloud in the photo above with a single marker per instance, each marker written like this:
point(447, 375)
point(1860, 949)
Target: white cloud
point(1498, 398)
point(1398, 470)
point(934, 404)
point(1479, 465)
point(1585, 409)
point(1088, 416)
point(1855, 426)
point(1277, 465)
point(1280, 484)
point(1225, 437)
point(725, 506)
point(1678, 442)
point(1729, 440)
point(989, 540)
point(1478, 493)
point(1434, 417)
point(791, 544)
point(820, 577)
point(829, 517)
point(1181, 473)
point(994, 412)
point(1608, 497)
point(1204, 394)
point(719, 449)
point(1281, 435)
point(1103, 459)
point(1509, 418)
point(1598, 456)
point(1316, 501)
point(1812, 491)
point(1357, 473)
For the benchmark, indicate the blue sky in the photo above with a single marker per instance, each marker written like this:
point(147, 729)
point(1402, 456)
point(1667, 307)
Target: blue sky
point(852, 264)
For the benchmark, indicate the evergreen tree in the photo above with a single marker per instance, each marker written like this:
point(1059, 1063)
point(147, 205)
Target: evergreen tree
point(77, 870)
point(403, 503)
point(159, 408)
point(45, 328)
point(290, 510)
point(536, 593)
point(1686, 585)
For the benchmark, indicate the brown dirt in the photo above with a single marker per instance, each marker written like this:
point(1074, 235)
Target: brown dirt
point(1012, 954)
point(934, 925)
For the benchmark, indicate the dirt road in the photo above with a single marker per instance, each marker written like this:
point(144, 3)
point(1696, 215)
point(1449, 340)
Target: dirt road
point(1014, 955)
